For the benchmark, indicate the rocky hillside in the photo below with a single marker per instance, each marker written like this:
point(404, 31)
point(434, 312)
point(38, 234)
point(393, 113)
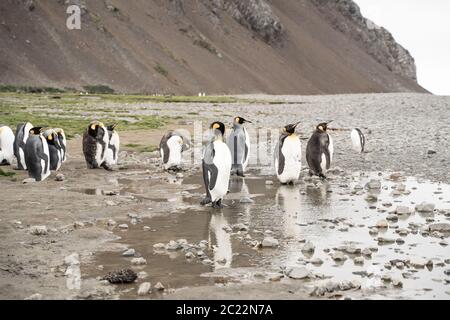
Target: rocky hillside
point(212, 46)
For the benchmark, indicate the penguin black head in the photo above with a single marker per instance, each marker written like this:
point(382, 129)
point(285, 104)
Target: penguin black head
point(218, 127)
point(322, 127)
point(94, 128)
point(240, 120)
point(52, 137)
point(111, 127)
point(290, 128)
point(36, 130)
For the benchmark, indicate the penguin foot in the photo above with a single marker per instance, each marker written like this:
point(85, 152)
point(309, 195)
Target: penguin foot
point(321, 175)
point(205, 201)
point(217, 204)
point(106, 167)
point(240, 174)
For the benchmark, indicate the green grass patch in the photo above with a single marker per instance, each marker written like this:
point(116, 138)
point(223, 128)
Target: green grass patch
point(28, 89)
point(141, 147)
point(6, 173)
point(98, 89)
point(161, 70)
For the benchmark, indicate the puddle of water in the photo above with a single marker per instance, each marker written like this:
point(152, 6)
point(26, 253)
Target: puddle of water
point(328, 215)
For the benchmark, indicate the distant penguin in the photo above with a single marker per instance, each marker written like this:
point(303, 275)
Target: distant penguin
point(22, 134)
point(171, 147)
point(95, 143)
point(319, 151)
point(358, 140)
point(112, 152)
point(216, 165)
point(55, 149)
point(288, 155)
point(6, 145)
point(37, 156)
point(63, 142)
point(239, 144)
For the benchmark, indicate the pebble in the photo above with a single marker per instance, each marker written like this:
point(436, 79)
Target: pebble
point(382, 224)
point(146, 228)
point(144, 288)
point(123, 226)
point(36, 296)
point(240, 227)
point(159, 286)
point(384, 240)
point(270, 242)
point(60, 177)
point(129, 253)
point(425, 207)
point(399, 241)
point(39, 230)
point(189, 255)
point(374, 184)
point(246, 200)
point(269, 182)
point(339, 256)
point(173, 246)
point(417, 262)
point(366, 252)
point(402, 210)
point(298, 273)
point(397, 283)
point(317, 261)
point(392, 217)
point(142, 275)
point(441, 227)
point(138, 261)
point(159, 246)
point(358, 260)
point(29, 180)
point(386, 278)
point(308, 247)
point(443, 243)
point(111, 223)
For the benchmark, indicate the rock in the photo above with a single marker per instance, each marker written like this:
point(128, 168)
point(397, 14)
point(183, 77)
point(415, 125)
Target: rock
point(298, 273)
point(138, 261)
point(397, 283)
point(317, 261)
point(440, 227)
point(417, 262)
point(308, 247)
point(392, 217)
point(144, 288)
point(402, 210)
point(189, 255)
point(245, 200)
point(159, 246)
point(111, 223)
point(447, 272)
point(36, 296)
point(371, 197)
point(374, 184)
point(159, 286)
point(173, 246)
point(270, 242)
point(386, 278)
point(39, 230)
point(366, 252)
point(29, 180)
point(425, 207)
point(60, 177)
point(129, 253)
point(384, 240)
point(240, 227)
point(431, 151)
point(146, 228)
point(121, 276)
point(339, 256)
point(382, 224)
point(73, 259)
point(269, 182)
point(358, 260)
point(443, 243)
point(123, 226)
point(142, 275)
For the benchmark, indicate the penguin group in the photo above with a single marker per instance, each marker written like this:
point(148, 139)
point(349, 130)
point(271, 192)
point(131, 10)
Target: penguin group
point(37, 150)
point(224, 157)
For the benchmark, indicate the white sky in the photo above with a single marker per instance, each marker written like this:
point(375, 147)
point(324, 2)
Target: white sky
point(422, 27)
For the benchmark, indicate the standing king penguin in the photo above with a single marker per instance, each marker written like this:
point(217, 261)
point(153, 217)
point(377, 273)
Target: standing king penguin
point(22, 134)
point(319, 151)
point(358, 140)
point(216, 165)
point(239, 144)
point(171, 147)
point(112, 151)
point(288, 155)
point(6, 145)
point(37, 155)
point(55, 149)
point(63, 142)
point(95, 143)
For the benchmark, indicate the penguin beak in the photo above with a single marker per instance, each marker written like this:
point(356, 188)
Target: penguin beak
point(295, 125)
point(247, 121)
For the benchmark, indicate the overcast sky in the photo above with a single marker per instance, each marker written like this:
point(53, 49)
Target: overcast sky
point(422, 27)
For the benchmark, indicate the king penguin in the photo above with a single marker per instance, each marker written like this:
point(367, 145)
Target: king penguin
point(171, 147)
point(319, 151)
point(239, 144)
point(63, 142)
point(358, 140)
point(54, 148)
point(22, 134)
point(6, 145)
point(95, 143)
point(216, 165)
point(37, 156)
point(288, 155)
point(112, 151)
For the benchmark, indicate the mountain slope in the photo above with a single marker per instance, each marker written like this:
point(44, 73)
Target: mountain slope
point(213, 46)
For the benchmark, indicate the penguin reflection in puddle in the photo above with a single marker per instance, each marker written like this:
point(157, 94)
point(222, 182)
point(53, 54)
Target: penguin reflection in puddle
point(222, 249)
point(288, 198)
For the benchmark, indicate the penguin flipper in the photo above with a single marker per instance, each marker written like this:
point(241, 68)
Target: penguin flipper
point(281, 159)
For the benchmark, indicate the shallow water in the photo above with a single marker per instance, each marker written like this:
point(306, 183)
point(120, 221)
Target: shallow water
point(329, 214)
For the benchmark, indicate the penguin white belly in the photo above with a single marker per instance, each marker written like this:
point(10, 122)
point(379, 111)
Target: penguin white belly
point(112, 155)
point(98, 154)
point(222, 160)
point(175, 145)
point(45, 164)
point(292, 152)
point(22, 158)
point(356, 141)
point(6, 144)
point(247, 144)
point(323, 162)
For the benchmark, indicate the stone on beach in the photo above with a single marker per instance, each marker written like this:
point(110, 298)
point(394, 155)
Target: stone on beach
point(144, 288)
